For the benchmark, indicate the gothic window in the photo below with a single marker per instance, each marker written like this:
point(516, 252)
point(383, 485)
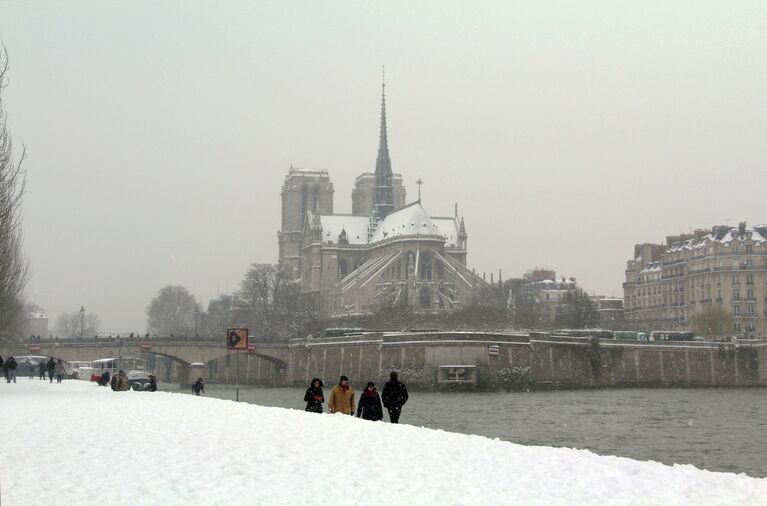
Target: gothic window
point(343, 267)
point(425, 266)
point(425, 298)
point(304, 201)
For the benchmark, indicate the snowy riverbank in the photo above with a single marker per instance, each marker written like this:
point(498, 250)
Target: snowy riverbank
point(163, 448)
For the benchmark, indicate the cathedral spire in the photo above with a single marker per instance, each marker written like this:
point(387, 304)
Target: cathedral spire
point(383, 200)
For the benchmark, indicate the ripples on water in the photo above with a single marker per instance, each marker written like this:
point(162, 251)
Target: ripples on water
point(715, 429)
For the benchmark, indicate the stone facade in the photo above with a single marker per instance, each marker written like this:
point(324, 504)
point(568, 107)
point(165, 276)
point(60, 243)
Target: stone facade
point(363, 193)
point(302, 191)
point(542, 289)
point(667, 285)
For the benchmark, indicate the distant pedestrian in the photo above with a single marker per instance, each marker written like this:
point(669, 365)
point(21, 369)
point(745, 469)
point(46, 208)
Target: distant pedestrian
point(122, 381)
point(50, 366)
point(152, 386)
point(394, 397)
point(314, 396)
point(342, 398)
point(104, 379)
point(369, 407)
point(113, 382)
point(59, 371)
point(2, 367)
point(10, 368)
point(41, 368)
point(198, 387)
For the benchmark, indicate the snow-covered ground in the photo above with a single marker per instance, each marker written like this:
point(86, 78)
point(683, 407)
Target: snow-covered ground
point(76, 443)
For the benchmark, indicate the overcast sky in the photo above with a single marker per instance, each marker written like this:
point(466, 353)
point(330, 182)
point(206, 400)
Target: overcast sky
point(159, 133)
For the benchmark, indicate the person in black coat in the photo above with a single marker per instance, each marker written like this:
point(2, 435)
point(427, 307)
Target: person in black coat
point(152, 386)
point(369, 405)
point(10, 369)
point(50, 366)
point(198, 387)
point(105, 379)
point(394, 397)
point(314, 396)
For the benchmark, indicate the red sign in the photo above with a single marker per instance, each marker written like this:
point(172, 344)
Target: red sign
point(35, 348)
point(251, 348)
point(146, 346)
point(237, 339)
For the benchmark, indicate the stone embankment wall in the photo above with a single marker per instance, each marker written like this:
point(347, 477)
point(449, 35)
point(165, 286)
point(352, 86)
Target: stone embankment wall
point(511, 361)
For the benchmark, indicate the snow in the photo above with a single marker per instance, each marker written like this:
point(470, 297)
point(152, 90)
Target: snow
point(409, 220)
point(165, 448)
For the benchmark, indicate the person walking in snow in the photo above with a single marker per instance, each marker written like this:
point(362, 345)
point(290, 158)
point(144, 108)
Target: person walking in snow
point(59, 371)
point(394, 397)
point(50, 366)
point(10, 368)
point(41, 369)
point(342, 398)
point(369, 407)
point(314, 396)
point(198, 387)
point(122, 381)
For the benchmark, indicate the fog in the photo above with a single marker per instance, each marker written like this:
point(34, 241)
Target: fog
point(159, 133)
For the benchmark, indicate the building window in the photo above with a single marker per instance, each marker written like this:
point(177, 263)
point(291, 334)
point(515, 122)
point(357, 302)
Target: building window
point(750, 294)
point(736, 310)
point(750, 278)
point(737, 326)
point(735, 279)
point(749, 249)
point(736, 295)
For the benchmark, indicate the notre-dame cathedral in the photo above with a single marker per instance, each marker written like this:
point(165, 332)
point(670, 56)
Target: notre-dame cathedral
point(386, 253)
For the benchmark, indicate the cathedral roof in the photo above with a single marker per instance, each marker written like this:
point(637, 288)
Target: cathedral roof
point(356, 228)
point(409, 220)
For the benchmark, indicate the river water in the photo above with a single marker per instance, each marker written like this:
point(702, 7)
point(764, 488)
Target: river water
point(710, 428)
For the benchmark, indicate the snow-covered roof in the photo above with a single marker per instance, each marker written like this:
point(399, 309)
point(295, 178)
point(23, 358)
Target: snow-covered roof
point(409, 220)
point(356, 228)
point(448, 227)
point(720, 234)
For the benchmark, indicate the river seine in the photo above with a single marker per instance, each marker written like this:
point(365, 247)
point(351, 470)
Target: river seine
point(714, 429)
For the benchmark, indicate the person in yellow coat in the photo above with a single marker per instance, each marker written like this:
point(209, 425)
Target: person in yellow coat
point(342, 398)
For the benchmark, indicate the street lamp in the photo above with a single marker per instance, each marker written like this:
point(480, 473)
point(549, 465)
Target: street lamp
point(82, 320)
point(196, 314)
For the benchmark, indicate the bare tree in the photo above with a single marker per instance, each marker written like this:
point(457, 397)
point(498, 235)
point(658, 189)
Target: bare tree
point(14, 268)
point(172, 312)
point(713, 322)
point(68, 325)
point(271, 305)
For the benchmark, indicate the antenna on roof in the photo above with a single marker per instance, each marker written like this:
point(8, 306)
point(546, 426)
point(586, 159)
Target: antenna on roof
point(419, 183)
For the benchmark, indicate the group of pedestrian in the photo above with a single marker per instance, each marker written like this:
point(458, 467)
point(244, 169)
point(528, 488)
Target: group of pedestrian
point(119, 381)
point(54, 368)
point(370, 405)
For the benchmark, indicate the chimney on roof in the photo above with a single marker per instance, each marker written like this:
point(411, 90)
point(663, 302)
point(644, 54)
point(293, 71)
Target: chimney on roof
point(742, 228)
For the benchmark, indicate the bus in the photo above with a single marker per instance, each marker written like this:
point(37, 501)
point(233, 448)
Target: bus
point(629, 335)
point(671, 335)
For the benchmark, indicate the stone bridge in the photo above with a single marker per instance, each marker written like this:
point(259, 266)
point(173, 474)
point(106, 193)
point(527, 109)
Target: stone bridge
point(190, 359)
